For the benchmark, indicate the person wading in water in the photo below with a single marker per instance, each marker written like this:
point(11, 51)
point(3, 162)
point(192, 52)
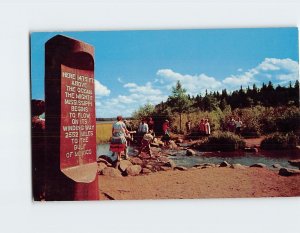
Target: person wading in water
point(118, 142)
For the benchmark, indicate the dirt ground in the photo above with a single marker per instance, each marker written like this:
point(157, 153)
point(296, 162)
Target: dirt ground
point(200, 183)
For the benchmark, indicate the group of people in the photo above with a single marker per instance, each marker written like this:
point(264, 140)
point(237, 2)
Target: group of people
point(204, 127)
point(121, 134)
point(234, 126)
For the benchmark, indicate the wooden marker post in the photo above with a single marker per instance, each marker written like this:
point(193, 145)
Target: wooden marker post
point(71, 167)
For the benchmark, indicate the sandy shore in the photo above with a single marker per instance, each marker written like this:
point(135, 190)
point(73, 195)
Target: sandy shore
point(200, 183)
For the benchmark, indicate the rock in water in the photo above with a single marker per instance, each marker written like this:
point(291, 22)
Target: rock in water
point(224, 164)
point(166, 162)
point(101, 166)
point(133, 170)
point(124, 164)
point(112, 172)
point(165, 168)
point(180, 168)
point(260, 165)
point(106, 158)
point(237, 166)
point(190, 152)
point(172, 145)
point(288, 172)
point(278, 166)
point(295, 162)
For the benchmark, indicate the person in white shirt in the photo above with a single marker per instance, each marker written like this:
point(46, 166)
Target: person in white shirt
point(238, 126)
point(142, 130)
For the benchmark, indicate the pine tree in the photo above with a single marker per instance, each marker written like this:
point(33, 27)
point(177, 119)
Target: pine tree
point(179, 100)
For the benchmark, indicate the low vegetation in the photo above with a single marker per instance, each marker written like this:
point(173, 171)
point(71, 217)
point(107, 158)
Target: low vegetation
point(222, 141)
point(280, 141)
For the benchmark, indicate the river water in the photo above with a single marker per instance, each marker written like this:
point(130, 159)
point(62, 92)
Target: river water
point(245, 158)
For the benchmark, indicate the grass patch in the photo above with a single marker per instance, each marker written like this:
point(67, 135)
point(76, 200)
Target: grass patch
point(103, 132)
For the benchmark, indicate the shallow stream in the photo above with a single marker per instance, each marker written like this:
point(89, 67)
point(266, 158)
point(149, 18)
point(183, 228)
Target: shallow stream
point(245, 158)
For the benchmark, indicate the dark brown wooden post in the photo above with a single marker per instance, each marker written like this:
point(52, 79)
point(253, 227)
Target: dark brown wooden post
point(71, 167)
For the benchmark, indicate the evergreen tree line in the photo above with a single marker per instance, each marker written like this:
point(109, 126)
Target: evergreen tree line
point(267, 96)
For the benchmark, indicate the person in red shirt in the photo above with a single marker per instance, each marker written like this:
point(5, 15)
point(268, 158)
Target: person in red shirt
point(202, 127)
point(165, 128)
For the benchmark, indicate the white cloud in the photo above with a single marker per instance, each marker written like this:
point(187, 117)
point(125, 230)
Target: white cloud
point(101, 90)
point(272, 69)
point(194, 84)
point(144, 89)
point(138, 95)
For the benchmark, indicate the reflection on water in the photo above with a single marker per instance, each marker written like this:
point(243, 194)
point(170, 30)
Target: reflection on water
point(245, 158)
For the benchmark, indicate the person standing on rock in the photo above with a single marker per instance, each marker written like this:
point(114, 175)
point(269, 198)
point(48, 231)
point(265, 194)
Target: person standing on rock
point(118, 142)
point(143, 129)
point(166, 136)
point(145, 143)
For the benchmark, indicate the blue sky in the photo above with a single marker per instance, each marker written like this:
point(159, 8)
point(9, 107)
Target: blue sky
point(133, 68)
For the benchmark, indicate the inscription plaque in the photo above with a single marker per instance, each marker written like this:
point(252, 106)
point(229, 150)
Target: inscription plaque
point(70, 121)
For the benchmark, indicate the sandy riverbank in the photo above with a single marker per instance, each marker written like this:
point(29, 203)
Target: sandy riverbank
point(200, 183)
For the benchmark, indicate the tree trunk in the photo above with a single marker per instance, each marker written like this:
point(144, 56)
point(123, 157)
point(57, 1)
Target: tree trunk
point(180, 122)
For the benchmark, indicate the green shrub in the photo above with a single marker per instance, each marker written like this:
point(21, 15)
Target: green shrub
point(289, 120)
point(223, 141)
point(279, 141)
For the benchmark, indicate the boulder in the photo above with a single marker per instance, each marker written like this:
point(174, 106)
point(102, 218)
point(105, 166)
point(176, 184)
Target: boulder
point(101, 166)
point(133, 170)
point(278, 166)
point(136, 161)
point(180, 168)
point(165, 168)
point(224, 164)
point(149, 166)
point(146, 171)
point(104, 158)
point(112, 172)
point(260, 165)
point(295, 162)
point(190, 152)
point(237, 166)
point(166, 162)
point(101, 160)
point(288, 172)
point(124, 164)
point(179, 140)
point(198, 165)
point(172, 145)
